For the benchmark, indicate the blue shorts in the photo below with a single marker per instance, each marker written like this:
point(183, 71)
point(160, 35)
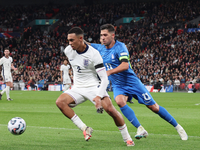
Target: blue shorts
point(137, 91)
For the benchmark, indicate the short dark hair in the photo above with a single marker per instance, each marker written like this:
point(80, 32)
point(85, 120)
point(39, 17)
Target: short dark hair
point(76, 30)
point(108, 27)
point(7, 48)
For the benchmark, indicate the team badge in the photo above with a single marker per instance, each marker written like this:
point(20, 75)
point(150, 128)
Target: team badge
point(113, 57)
point(86, 62)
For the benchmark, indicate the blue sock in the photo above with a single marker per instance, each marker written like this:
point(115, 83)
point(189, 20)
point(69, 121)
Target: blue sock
point(163, 113)
point(130, 115)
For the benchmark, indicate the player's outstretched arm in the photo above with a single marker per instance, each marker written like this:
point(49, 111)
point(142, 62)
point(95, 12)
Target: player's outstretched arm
point(104, 83)
point(122, 67)
point(13, 67)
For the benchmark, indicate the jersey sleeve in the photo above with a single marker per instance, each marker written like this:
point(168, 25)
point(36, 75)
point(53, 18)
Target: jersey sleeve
point(96, 46)
point(101, 71)
point(122, 53)
point(11, 59)
point(1, 61)
point(68, 67)
point(97, 59)
point(61, 68)
point(67, 49)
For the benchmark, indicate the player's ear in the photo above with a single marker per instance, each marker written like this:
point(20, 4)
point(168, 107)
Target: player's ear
point(113, 35)
point(81, 37)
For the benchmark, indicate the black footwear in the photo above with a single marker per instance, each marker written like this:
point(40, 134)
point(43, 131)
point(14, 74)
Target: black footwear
point(9, 99)
point(0, 96)
point(131, 102)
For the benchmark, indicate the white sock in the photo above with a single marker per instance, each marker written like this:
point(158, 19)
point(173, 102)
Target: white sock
point(178, 127)
point(78, 122)
point(66, 87)
point(8, 92)
point(124, 131)
point(3, 91)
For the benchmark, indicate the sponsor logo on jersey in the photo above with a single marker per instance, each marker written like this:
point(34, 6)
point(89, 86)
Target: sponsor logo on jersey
point(122, 54)
point(86, 62)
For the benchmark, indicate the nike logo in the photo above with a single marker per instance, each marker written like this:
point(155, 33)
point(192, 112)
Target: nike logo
point(71, 60)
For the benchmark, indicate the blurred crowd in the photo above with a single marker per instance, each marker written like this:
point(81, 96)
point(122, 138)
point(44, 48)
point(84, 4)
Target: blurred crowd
point(18, 16)
point(157, 52)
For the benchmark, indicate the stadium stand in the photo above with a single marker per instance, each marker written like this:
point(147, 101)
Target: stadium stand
point(160, 45)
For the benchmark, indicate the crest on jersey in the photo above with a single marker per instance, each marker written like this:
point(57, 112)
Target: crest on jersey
point(113, 57)
point(86, 62)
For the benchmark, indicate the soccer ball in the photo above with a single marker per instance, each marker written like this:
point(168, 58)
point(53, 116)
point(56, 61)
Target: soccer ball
point(17, 126)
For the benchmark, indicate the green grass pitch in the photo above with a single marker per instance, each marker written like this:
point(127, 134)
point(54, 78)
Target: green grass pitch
point(48, 129)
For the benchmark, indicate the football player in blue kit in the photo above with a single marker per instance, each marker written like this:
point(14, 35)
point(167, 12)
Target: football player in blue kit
point(126, 85)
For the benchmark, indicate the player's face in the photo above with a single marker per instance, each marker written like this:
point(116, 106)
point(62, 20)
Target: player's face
point(65, 62)
point(6, 52)
point(75, 40)
point(106, 37)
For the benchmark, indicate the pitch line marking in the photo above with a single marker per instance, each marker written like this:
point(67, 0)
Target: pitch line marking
point(197, 104)
point(53, 128)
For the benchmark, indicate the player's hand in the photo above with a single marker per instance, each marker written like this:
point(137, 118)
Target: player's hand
point(108, 72)
point(97, 101)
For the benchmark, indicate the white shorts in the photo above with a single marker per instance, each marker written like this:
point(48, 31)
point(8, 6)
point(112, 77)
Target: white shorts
point(80, 95)
point(7, 78)
point(66, 81)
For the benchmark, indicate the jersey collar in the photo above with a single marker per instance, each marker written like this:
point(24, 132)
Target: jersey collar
point(6, 57)
point(85, 49)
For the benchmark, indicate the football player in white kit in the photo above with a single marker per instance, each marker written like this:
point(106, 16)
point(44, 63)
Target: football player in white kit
point(88, 67)
point(7, 65)
point(65, 73)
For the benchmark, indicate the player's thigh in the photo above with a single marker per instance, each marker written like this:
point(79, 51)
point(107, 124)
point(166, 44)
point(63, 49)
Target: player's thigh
point(64, 99)
point(143, 96)
point(76, 96)
point(107, 104)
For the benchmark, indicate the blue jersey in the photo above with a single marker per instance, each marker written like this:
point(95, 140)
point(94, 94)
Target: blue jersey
point(111, 59)
point(125, 82)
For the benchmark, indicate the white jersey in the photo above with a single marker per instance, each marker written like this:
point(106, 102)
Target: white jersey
point(65, 73)
point(6, 65)
point(83, 65)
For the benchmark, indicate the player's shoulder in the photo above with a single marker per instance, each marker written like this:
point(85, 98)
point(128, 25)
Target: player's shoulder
point(68, 48)
point(118, 43)
point(92, 49)
point(2, 58)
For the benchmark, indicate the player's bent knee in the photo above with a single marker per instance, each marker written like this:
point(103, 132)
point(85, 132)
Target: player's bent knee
point(121, 100)
point(64, 100)
point(59, 103)
point(154, 108)
point(121, 103)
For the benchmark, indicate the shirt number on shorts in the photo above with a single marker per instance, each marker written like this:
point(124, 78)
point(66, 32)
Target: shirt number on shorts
point(108, 66)
point(146, 96)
